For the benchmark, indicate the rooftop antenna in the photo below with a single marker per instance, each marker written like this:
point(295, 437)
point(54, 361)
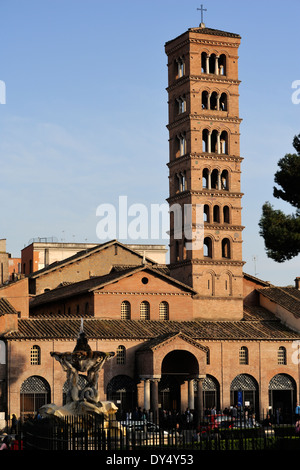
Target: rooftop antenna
point(202, 25)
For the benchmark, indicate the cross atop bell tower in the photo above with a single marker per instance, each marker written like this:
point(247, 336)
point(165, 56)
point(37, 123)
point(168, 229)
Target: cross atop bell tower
point(202, 10)
point(204, 167)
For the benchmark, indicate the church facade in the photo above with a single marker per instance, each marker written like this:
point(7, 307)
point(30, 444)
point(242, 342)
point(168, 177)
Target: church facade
point(197, 333)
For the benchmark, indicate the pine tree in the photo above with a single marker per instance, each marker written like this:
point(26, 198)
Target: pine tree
point(281, 232)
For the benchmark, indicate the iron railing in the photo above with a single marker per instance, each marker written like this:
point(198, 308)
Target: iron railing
point(214, 432)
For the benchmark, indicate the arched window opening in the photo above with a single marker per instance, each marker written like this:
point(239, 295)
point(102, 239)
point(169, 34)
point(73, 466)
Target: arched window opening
point(222, 64)
point(244, 356)
point(223, 102)
point(180, 145)
point(181, 182)
point(125, 310)
point(244, 388)
point(206, 213)
point(145, 310)
point(204, 63)
point(207, 247)
point(215, 179)
point(226, 215)
point(164, 311)
point(205, 179)
point(180, 105)
point(224, 143)
point(212, 63)
point(205, 141)
point(35, 356)
point(224, 180)
point(121, 355)
point(226, 248)
point(205, 101)
point(217, 214)
point(122, 391)
point(214, 141)
point(179, 67)
point(211, 393)
point(283, 394)
point(34, 393)
point(281, 356)
point(214, 101)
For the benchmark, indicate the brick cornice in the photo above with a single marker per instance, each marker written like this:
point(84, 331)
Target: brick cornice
point(210, 78)
point(197, 117)
point(205, 156)
point(204, 192)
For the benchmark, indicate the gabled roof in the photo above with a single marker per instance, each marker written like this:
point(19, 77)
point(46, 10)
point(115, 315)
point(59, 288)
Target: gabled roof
point(85, 254)
point(93, 284)
point(256, 280)
point(286, 297)
point(161, 340)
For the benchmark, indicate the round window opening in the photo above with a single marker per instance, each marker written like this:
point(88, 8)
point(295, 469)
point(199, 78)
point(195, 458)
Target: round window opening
point(145, 280)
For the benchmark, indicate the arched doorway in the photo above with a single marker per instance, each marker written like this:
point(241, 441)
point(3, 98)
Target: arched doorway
point(282, 394)
point(211, 393)
point(34, 393)
point(122, 391)
point(177, 367)
point(244, 392)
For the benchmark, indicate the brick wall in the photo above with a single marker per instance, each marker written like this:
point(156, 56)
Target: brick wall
point(97, 263)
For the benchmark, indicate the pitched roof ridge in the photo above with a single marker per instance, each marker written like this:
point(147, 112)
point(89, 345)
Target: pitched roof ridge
point(288, 293)
point(85, 252)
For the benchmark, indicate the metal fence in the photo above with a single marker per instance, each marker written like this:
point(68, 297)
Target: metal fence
point(213, 433)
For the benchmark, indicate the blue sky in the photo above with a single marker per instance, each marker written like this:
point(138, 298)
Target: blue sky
point(86, 111)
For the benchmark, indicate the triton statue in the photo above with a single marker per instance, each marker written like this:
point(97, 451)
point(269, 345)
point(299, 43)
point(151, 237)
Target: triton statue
point(82, 360)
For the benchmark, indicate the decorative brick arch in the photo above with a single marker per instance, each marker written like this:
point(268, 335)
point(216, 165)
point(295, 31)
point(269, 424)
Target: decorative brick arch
point(153, 363)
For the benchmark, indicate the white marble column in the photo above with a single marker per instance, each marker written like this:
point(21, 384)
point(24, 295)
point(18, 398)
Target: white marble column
point(207, 63)
point(191, 400)
point(147, 394)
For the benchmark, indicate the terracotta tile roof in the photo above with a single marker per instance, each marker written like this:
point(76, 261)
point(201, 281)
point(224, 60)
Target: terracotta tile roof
point(214, 32)
point(6, 307)
point(287, 297)
point(63, 328)
point(256, 280)
point(257, 313)
point(67, 290)
point(209, 31)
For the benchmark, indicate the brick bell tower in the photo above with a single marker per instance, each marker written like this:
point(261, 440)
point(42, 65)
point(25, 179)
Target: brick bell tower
point(204, 169)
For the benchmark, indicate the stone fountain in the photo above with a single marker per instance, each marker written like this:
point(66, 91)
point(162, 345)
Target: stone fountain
point(81, 401)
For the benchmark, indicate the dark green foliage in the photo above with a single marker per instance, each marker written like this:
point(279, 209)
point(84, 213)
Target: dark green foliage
point(281, 232)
